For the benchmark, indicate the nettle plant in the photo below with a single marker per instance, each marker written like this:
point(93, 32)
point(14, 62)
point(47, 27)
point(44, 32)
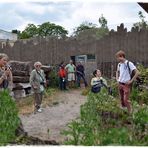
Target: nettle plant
point(9, 120)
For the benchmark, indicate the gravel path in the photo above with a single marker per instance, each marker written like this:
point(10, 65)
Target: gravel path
point(54, 118)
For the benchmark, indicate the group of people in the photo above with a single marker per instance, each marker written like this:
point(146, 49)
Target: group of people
point(71, 74)
point(125, 75)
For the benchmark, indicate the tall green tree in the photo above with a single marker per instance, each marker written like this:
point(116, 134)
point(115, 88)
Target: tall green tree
point(51, 29)
point(30, 31)
point(142, 23)
point(83, 27)
point(103, 29)
point(43, 30)
point(103, 21)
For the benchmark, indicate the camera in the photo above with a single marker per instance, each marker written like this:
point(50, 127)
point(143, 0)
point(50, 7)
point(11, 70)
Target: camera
point(63, 79)
point(42, 83)
point(8, 67)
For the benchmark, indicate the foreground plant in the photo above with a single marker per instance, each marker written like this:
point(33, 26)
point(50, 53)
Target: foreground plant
point(9, 120)
point(102, 122)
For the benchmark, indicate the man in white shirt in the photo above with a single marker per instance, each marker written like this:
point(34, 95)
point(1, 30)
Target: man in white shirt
point(123, 76)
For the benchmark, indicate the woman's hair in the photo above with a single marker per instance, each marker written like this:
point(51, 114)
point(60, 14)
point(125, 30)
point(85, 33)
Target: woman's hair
point(37, 63)
point(95, 72)
point(120, 54)
point(3, 55)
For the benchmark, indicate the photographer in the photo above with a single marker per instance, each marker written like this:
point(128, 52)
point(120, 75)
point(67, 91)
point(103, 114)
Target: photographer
point(5, 72)
point(38, 82)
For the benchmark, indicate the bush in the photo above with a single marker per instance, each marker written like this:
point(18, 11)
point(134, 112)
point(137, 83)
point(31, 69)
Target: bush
point(9, 120)
point(102, 122)
point(53, 78)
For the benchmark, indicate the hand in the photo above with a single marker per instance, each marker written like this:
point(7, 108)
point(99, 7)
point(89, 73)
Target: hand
point(7, 72)
point(129, 82)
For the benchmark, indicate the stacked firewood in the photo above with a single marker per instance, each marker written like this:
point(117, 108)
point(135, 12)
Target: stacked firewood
point(21, 71)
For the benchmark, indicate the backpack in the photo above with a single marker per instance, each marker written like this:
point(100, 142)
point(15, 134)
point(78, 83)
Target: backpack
point(138, 80)
point(96, 88)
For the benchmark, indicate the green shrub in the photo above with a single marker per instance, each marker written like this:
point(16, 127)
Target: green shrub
point(102, 122)
point(115, 136)
point(53, 78)
point(9, 120)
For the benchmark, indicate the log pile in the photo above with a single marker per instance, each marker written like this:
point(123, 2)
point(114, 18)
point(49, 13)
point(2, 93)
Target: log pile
point(21, 74)
point(21, 71)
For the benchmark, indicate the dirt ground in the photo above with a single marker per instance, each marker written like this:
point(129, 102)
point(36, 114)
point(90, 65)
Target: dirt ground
point(48, 124)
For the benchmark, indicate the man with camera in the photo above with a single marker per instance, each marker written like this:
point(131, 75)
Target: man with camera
point(5, 72)
point(38, 82)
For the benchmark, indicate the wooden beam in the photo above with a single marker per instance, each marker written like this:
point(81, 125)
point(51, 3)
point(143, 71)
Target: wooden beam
point(144, 6)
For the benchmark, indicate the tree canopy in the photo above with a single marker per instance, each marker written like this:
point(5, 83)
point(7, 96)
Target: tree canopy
point(142, 23)
point(82, 27)
point(53, 30)
point(43, 30)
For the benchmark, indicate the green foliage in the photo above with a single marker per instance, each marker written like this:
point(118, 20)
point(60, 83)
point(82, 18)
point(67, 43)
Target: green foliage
point(143, 73)
point(121, 136)
point(83, 27)
point(143, 23)
point(140, 93)
point(9, 120)
point(53, 78)
point(101, 32)
point(43, 30)
point(91, 28)
point(51, 29)
point(30, 31)
point(103, 21)
point(102, 122)
point(140, 117)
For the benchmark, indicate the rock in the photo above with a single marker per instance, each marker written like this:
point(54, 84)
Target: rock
point(19, 93)
point(23, 138)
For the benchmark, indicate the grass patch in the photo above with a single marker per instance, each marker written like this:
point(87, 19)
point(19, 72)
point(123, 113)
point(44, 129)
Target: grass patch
point(85, 91)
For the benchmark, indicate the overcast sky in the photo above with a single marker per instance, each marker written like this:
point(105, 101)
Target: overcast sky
point(68, 14)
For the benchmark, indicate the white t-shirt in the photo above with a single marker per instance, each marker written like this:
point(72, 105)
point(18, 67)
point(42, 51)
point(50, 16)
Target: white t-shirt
point(124, 75)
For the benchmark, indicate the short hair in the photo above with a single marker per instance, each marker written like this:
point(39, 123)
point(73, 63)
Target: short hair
point(120, 54)
point(2, 55)
point(37, 63)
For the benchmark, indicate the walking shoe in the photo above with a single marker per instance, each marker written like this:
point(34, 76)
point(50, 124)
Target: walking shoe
point(39, 110)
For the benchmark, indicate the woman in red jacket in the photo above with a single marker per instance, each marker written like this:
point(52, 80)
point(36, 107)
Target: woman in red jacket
point(62, 77)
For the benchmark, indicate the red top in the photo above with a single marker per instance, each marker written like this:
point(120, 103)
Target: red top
point(62, 72)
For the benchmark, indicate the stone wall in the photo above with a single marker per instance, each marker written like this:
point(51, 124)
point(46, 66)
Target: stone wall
point(52, 51)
